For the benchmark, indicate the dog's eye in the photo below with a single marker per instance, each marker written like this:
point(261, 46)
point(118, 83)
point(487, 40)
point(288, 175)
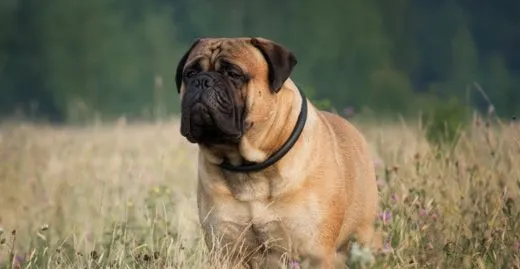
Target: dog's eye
point(230, 70)
point(190, 73)
point(234, 74)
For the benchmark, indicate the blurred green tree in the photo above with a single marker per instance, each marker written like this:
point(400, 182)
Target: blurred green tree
point(72, 60)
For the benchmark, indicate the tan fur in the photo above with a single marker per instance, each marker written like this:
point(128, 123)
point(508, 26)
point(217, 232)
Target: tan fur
point(311, 201)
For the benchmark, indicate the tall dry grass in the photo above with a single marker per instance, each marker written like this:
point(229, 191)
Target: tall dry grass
point(111, 196)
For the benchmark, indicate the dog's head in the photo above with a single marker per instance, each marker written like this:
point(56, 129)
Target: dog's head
point(225, 84)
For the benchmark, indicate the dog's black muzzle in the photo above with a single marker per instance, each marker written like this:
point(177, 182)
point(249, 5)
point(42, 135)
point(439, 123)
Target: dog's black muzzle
point(210, 111)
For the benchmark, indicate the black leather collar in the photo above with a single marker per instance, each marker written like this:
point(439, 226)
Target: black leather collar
point(253, 167)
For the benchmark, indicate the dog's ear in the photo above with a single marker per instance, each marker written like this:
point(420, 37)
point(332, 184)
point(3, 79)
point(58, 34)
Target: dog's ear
point(182, 62)
point(280, 61)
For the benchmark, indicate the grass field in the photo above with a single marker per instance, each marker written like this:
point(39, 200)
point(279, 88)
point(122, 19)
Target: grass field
point(123, 196)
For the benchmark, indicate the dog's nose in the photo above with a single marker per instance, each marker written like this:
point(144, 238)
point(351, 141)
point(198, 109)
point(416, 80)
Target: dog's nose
point(203, 81)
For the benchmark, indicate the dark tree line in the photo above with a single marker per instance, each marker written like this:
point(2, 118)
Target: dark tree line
point(64, 59)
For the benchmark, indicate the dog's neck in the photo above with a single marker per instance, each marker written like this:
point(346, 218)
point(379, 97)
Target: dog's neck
point(264, 138)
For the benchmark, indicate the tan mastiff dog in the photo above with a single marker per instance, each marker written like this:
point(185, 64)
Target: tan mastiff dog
point(278, 179)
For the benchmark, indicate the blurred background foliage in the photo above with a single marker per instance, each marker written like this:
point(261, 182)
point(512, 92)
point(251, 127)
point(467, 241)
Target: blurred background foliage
point(66, 60)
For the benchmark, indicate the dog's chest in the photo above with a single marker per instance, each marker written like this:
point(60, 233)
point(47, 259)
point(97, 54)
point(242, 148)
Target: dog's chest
point(259, 203)
point(263, 209)
point(267, 223)
point(272, 224)
point(251, 187)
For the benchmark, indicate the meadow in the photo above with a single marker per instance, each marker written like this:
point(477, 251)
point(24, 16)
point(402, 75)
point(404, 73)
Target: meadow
point(119, 195)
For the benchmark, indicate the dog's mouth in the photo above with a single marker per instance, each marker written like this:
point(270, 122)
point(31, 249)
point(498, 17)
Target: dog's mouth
point(202, 125)
point(210, 114)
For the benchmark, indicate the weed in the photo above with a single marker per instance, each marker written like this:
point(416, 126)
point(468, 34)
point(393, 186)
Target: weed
point(124, 197)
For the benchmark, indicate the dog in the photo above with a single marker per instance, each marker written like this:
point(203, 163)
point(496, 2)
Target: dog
point(279, 180)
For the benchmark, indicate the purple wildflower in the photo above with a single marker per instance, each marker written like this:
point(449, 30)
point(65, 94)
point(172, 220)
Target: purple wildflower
point(393, 198)
point(294, 264)
point(377, 162)
point(517, 245)
point(386, 216)
point(434, 216)
point(387, 246)
point(20, 259)
point(349, 111)
point(423, 212)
